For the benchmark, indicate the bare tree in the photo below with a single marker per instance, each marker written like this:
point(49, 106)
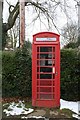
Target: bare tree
point(13, 33)
point(42, 9)
point(69, 32)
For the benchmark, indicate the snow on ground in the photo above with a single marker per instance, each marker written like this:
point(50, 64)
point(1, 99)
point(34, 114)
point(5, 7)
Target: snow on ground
point(73, 106)
point(17, 109)
point(76, 116)
point(37, 117)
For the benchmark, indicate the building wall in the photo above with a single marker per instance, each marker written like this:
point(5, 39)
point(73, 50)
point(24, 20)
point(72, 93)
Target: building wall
point(78, 19)
point(0, 57)
point(0, 24)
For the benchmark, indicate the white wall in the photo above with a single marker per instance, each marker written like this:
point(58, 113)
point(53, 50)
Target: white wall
point(78, 18)
point(0, 24)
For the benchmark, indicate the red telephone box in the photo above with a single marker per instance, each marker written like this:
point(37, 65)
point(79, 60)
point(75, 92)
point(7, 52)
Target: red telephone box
point(46, 70)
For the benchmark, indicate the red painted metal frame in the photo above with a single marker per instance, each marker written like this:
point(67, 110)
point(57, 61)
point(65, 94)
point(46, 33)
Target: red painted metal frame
point(36, 83)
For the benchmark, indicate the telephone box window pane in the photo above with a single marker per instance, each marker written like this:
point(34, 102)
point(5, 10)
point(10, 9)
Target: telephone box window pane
point(37, 49)
point(46, 96)
point(53, 62)
point(38, 62)
point(45, 62)
point(42, 62)
point(37, 76)
point(49, 62)
point(53, 89)
point(45, 69)
point(53, 76)
point(37, 56)
point(37, 82)
point(37, 96)
point(46, 56)
point(45, 76)
point(53, 56)
point(45, 49)
point(45, 83)
point(49, 56)
point(47, 89)
point(53, 83)
point(37, 69)
point(37, 89)
point(53, 49)
point(43, 56)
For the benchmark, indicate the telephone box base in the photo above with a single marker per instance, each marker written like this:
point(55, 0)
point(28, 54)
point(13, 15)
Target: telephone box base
point(47, 104)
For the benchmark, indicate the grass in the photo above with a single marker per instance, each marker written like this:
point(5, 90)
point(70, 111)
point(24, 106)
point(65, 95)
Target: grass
point(67, 112)
point(28, 105)
point(64, 112)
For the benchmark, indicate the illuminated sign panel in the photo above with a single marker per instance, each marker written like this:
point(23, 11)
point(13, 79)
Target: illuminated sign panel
point(46, 39)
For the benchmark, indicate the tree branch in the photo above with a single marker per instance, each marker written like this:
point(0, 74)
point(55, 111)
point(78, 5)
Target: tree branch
point(12, 17)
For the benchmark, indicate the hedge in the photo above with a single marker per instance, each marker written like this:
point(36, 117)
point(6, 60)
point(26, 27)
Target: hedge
point(70, 74)
point(17, 73)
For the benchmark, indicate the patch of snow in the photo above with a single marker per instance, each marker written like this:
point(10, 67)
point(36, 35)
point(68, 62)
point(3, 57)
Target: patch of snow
point(79, 107)
point(17, 109)
point(5, 104)
point(37, 117)
point(73, 106)
point(76, 116)
point(6, 48)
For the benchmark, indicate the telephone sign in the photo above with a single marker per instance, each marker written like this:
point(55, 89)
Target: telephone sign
point(45, 39)
point(46, 70)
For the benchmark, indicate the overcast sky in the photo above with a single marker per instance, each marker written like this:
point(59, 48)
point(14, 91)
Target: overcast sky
point(30, 30)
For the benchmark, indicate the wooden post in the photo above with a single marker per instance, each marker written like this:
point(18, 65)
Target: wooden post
point(22, 22)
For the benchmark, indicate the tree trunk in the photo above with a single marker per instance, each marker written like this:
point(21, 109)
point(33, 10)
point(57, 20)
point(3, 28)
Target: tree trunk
point(11, 20)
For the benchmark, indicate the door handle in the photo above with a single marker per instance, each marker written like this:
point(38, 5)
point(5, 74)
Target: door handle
point(53, 70)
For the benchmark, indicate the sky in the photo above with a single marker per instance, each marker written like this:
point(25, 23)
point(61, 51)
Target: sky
point(60, 20)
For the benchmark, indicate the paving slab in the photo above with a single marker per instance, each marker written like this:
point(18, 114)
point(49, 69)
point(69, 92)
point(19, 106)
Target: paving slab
point(37, 113)
point(53, 113)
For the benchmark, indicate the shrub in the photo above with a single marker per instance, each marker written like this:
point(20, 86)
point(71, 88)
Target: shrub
point(16, 73)
point(71, 45)
point(23, 72)
point(7, 73)
point(70, 74)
